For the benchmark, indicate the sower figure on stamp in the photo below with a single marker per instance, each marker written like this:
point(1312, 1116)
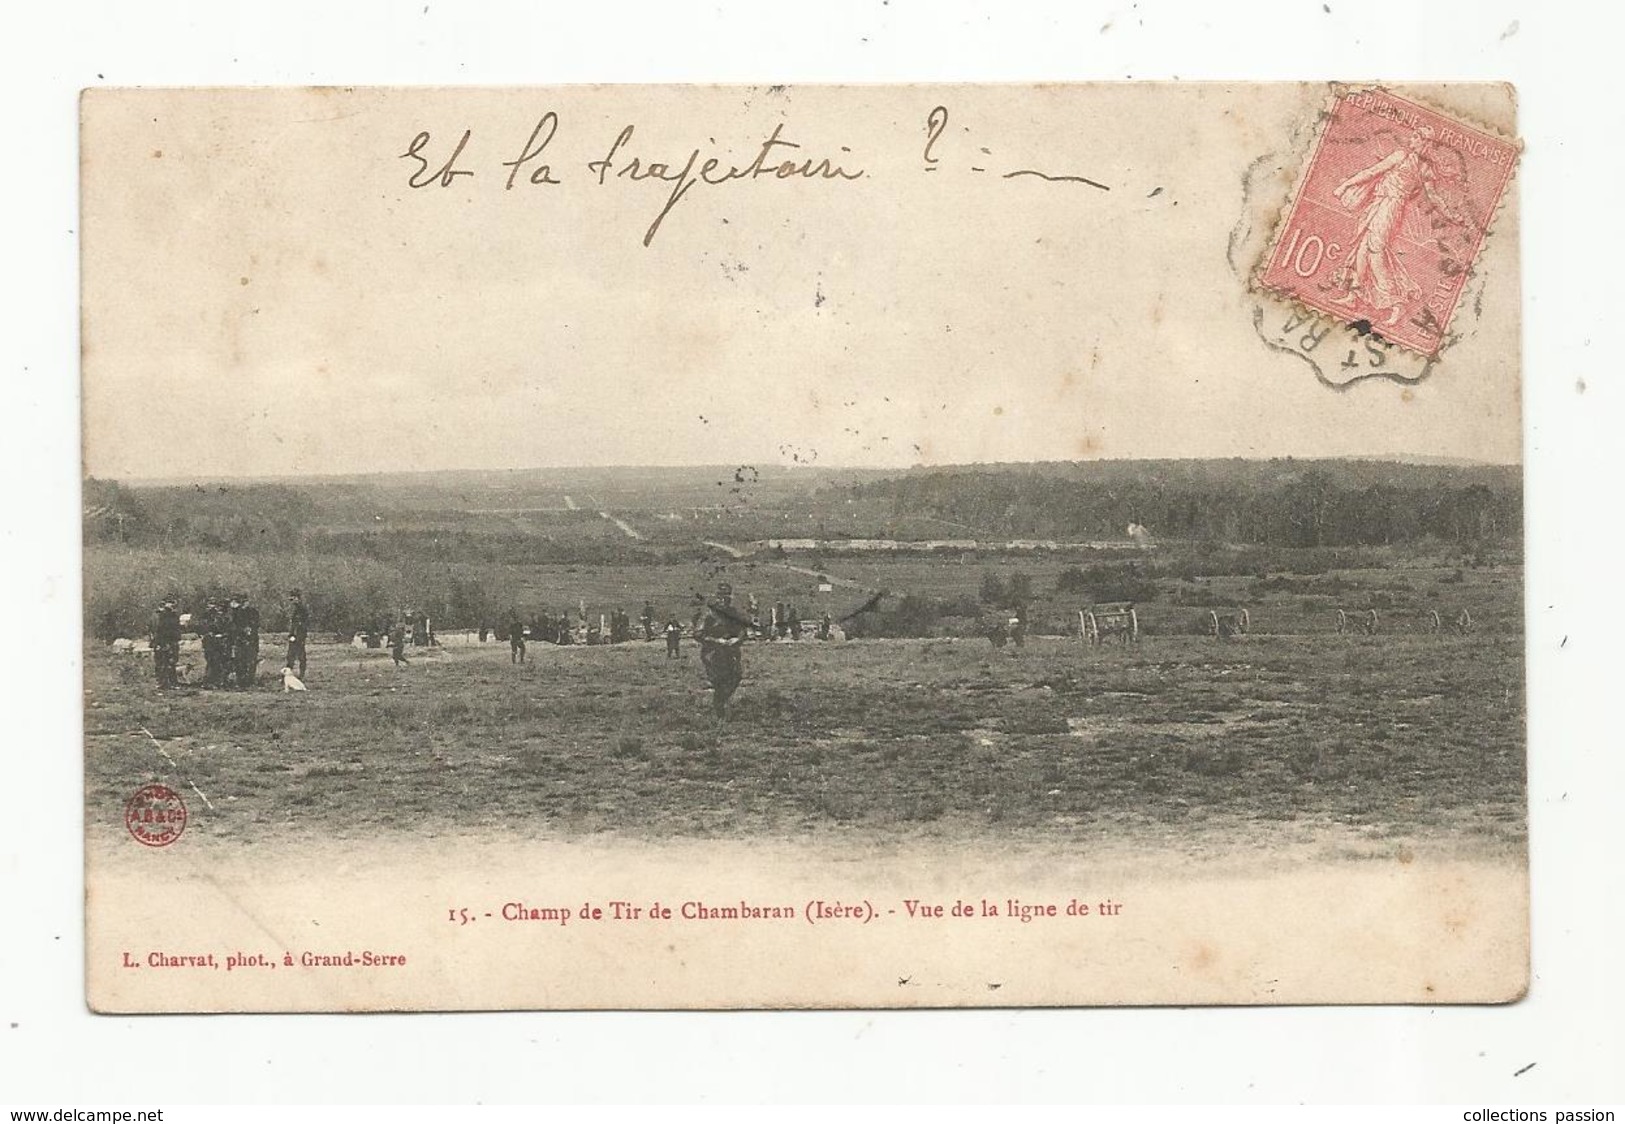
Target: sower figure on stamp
point(245, 640)
point(1383, 193)
point(166, 643)
point(721, 635)
point(298, 631)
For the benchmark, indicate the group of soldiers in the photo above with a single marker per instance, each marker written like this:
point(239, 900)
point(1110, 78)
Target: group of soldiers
point(1012, 630)
point(229, 628)
point(230, 632)
point(615, 628)
point(717, 624)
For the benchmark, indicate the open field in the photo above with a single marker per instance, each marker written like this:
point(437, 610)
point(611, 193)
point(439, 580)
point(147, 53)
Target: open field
point(1183, 742)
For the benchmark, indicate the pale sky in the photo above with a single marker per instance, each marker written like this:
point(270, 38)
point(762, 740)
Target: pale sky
point(265, 295)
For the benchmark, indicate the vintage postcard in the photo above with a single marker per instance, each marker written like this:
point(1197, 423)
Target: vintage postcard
point(881, 546)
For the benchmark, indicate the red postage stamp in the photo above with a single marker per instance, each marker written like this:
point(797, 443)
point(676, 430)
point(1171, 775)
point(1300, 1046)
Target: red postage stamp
point(155, 815)
point(1389, 217)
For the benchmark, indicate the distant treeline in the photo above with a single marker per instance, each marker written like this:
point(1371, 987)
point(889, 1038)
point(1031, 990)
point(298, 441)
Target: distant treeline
point(1264, 503)
point(279, 518)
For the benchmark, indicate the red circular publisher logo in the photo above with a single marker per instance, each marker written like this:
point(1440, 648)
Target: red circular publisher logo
point(155, 815)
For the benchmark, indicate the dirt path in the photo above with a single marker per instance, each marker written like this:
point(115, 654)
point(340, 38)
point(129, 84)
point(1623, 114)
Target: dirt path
point(807, 571)
point(622, 524)
point(844, 583)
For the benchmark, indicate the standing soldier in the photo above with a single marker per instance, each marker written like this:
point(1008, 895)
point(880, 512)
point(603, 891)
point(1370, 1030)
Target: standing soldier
point(648, 619)
point(397, 642)
point(674, 639)
point(998, 633)
point(826, 626)
point(516, 639)
point(245, 639)
point(215, 628)
point(721, 635)
point(166, 643)
point(228, 626)
point(298, 631)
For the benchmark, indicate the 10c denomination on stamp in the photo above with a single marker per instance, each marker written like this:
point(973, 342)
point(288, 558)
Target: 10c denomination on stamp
point(1389, 217)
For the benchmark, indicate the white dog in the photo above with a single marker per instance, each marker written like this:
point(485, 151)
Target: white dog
point(290, 681)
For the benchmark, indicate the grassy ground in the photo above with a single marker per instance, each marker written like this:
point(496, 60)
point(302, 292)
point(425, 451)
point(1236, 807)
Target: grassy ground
point(1177, 740)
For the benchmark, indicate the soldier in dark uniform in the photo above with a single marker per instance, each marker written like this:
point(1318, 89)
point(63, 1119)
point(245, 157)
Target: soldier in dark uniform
point(674, 639)
point(166, 643)
point(397, 642)
point(648, 619)
point(298, 631)
point(228, 625)
point(215, 628)
point(245, 640)
point(722, 635)
point(998, 632)
point(516, 639)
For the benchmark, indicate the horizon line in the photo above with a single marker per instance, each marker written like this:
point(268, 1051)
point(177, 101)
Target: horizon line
point(1420, 459)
